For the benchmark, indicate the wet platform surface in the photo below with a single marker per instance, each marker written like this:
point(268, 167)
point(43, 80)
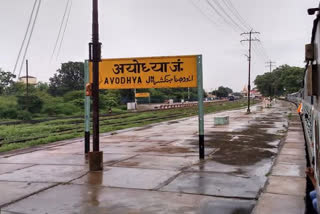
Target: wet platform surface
point(154, 169)
point(286, 187)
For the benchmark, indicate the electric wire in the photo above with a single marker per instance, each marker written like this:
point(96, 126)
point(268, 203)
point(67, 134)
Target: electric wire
point(65, 28)
point(227, 15)
point(203, 13)
point(60, 29)
point(25, 36)
point(219, 14)
point(30, 36)
point(236, 13)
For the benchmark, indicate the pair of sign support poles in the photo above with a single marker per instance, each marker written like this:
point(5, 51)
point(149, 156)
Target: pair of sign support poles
point(200, 107)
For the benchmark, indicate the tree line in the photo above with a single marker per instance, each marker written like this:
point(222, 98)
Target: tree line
point(281, 81)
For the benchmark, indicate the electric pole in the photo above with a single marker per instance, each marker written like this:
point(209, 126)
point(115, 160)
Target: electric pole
point(250, 40)
point(95, 157)
point(270, 64)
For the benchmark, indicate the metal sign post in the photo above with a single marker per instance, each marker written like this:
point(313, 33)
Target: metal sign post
point(200, 107)
point(86, 110)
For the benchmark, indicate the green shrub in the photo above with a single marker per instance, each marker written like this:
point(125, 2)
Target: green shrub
point(78, 102)
point(31, 103)
point(8, 113)
point(107, 101)
point(73, 95)
point(60, 109)
point(24, 115)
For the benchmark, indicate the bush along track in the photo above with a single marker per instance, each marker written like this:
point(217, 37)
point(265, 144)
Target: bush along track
point(19, 136)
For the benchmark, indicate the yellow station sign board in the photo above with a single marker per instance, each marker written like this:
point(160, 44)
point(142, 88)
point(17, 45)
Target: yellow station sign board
point(142, 95)
point(148, 72)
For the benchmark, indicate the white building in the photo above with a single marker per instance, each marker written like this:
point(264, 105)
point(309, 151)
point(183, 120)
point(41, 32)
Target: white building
point(31, 80)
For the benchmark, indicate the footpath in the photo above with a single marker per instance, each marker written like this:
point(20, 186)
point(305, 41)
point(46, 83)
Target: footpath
point(156, 169)
point(285, 191)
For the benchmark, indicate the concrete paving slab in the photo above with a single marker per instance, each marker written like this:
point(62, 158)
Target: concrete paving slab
point(213, 166)
point(286, 185)
point(84, 199)
point(294, 146)
point(4, 168)
point(46, 173)
point(71, 148)
point(110, 159)
point(298, 139)
point(297, 152)
point(288, 170)
point(12, 191)
point(43, 157)
point(158, 162)
point(215, 184)
point(291, 159)
point(128, 178)
point(280, 204)
point(296, 128)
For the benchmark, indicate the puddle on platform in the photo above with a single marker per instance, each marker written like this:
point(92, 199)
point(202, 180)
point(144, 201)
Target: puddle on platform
point(248, 146)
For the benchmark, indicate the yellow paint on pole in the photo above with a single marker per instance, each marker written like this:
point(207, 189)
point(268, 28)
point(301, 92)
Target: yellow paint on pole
point(138, 95)
point(148, 72)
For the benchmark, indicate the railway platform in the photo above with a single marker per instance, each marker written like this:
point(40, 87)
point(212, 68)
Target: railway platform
point(286, 186)
point(156, 169)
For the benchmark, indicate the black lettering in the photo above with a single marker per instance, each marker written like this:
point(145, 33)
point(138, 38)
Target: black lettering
point(177, 66)
point(160, 66)
point(118, 68)
point(128, 80)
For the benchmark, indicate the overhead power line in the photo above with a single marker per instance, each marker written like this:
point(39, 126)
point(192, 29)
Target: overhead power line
point(65, 28)
point(234, 11)
point(25, 36)
point(30, 36)
point(220, 14)
point(227, 15)
point(203, 13)
point(60, 29)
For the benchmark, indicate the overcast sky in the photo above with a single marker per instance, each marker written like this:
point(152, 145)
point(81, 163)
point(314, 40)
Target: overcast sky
point(134, 28)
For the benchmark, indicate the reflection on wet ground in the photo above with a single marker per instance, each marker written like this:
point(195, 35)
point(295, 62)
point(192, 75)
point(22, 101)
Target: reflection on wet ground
point(154, 169)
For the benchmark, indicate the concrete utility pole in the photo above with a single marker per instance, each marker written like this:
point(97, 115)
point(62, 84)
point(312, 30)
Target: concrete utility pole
point(270, 64)
point(95, 157)
point(250, 40)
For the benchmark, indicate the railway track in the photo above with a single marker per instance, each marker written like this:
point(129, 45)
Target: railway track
point(80, 129)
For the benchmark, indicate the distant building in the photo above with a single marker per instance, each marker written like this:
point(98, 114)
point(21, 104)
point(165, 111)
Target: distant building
point(31, 80)
point(211, 96)
point(244, 91)
point(253, 93)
